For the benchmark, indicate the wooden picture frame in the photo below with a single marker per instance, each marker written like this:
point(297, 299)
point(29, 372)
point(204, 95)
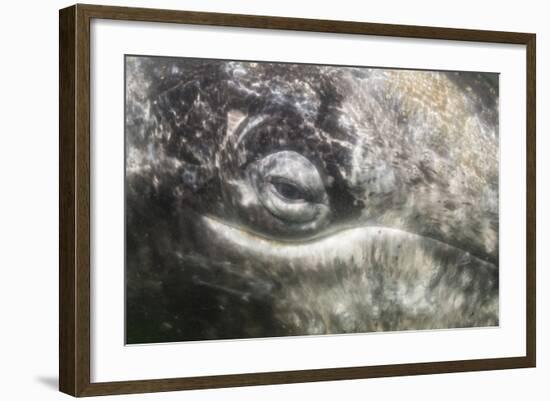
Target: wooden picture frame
point(74, 203)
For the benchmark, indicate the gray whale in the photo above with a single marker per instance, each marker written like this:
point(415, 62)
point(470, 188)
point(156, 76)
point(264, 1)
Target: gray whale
point(267, 199)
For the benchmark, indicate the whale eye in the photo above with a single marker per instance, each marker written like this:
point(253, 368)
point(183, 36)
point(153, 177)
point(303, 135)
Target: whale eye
point(288, 190)
point(291, 189)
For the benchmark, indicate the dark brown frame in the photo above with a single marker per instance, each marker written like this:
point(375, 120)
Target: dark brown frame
point(74, 199)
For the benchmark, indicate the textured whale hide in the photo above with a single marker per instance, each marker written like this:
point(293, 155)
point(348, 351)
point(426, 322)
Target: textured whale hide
point(270, 199)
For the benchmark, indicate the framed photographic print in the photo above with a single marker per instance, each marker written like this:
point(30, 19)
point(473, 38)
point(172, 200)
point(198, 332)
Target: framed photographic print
point(252, 200)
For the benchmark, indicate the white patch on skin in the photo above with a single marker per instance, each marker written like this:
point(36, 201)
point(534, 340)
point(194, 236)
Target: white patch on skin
point(234, 119)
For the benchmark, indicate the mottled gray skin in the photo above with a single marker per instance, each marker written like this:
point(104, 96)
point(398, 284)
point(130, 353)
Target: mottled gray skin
point(276, 199)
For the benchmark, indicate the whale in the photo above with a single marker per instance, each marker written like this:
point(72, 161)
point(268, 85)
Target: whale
point(267, 199)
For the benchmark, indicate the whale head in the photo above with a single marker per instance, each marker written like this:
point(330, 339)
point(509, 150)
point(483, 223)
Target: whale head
point(269, 199)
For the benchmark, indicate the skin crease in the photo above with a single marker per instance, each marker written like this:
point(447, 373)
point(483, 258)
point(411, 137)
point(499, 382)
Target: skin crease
point(276, 199)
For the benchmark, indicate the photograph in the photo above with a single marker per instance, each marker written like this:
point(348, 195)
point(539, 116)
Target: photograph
point(270, 199)
point(256, 198)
